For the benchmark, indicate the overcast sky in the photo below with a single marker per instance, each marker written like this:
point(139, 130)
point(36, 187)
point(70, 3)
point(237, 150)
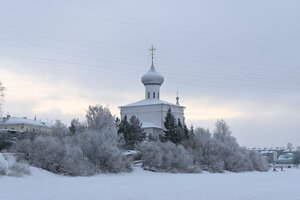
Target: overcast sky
point(236, 60)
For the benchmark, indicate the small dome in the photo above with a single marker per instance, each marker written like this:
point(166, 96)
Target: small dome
point(152, 77)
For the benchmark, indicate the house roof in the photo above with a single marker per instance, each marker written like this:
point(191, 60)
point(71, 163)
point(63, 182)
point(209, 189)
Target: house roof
point(23, 120)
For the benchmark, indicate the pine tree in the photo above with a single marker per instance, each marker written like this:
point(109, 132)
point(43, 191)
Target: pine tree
point(180, 132)
point(117, 122)
point(75, 126)
point(170, 134)
point(136, 132)
point(124, 127)
point(186, 132)
point(72, 128)
point(131, 131)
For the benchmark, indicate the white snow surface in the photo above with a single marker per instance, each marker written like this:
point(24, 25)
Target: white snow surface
point(140, 184)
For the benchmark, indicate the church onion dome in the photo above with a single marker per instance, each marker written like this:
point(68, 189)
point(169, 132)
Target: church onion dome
point(152, 77)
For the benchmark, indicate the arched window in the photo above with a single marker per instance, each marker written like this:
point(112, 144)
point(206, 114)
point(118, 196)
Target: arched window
point(148, 95)
point(153, 95)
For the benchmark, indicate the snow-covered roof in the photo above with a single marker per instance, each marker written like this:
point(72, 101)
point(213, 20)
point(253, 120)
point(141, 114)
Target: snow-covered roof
point(150, 125)
point(23, 120)
point(146, 102)
point(287, 156)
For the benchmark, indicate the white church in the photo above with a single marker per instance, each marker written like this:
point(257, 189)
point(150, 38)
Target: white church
point(151, 111)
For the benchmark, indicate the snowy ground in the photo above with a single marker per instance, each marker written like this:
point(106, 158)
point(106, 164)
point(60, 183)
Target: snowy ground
point(140, 184)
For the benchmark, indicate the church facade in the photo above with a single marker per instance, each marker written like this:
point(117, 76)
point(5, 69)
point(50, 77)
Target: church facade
point(151, 110)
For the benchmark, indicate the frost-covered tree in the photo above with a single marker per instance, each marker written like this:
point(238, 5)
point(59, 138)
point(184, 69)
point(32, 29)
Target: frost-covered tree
point(102, 151)
point(55, 155)
point(220, 151)
point(204, 150)
point(10, 166)
point(289, 146)
point(258, 162)
point(59, 129)
point(229, 150)
point(99, 118)
point(91, 151)
point(235, 158)
point(221, 129)
point(167, 156)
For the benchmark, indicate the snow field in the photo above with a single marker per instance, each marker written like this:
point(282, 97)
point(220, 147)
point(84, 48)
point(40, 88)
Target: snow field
point(140, 184)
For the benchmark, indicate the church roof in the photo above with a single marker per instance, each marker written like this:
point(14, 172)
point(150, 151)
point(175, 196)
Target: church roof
point(146, 102)
point(152, 77)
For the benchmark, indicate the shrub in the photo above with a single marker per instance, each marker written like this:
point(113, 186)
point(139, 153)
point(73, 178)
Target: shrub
point(85, 154)
point(87, 151)
point(167, 156)
point(9, 166)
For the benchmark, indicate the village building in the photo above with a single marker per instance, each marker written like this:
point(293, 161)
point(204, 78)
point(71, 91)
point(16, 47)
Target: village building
point(23, 124)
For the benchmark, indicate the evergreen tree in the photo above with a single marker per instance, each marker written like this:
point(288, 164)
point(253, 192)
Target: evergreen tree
point(186, 132)
point(131, 131)
point(180, 132)
point(72, 128)
point(136, 132)
point(170, 132)
point(75, 124)
point(191, 132)
point(124, 127)
point(117, 122)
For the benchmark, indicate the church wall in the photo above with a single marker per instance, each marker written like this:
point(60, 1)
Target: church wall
point(150, 113)
point(153, 113)
point(153, 133)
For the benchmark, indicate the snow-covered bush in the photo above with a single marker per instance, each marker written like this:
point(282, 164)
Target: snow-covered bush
point(93, 150)
point(259, 163)
point(84, 154)
point(167, 156)
point(220, 151)
point(53, 154)
point(102, 151)
point(204, 150)
point(235, 158)
point(9, 166)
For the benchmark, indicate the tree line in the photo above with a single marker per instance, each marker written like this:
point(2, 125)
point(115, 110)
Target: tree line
point(98, 145)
